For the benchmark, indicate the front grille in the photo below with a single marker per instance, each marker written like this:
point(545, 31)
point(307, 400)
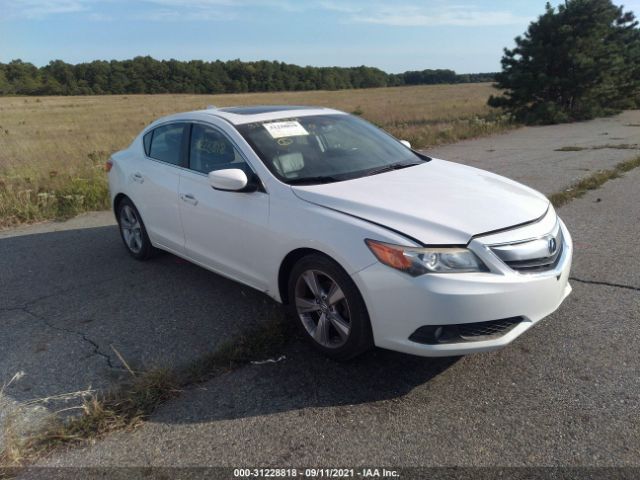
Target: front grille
point(464, 332)
point(537, 264)
point(532, 256)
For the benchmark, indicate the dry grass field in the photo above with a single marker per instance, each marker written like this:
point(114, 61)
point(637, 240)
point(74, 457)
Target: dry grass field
point(53, 149)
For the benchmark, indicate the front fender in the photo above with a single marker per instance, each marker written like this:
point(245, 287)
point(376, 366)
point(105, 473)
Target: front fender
point(335, 234)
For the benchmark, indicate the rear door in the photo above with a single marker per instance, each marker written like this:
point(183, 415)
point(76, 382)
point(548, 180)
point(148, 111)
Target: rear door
point(225, 231)
point(156, 181)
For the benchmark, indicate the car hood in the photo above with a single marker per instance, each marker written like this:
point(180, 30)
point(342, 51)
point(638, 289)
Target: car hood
point(436, 203)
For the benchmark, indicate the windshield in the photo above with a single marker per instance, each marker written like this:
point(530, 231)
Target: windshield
point(325, 148)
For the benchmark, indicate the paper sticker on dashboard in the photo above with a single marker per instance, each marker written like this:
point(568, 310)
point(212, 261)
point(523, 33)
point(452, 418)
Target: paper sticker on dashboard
point(290, 128)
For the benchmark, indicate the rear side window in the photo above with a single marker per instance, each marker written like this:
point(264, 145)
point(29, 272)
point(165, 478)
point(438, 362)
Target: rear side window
point(166, 143)
point(147, 142)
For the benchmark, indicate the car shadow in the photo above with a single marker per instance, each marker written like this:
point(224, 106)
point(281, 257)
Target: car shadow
point(75, 305)
point(301, 378)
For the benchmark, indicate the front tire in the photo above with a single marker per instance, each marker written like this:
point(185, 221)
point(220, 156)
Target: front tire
point(133, 232)
point(328, 306)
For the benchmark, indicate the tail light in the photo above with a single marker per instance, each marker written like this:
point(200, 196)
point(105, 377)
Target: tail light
point(108, 165)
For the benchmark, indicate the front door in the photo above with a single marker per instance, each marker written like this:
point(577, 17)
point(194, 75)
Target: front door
point(225, 231)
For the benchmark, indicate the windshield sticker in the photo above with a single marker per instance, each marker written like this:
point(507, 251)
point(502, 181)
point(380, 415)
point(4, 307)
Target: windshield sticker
point(285, 129)
point(285, 141)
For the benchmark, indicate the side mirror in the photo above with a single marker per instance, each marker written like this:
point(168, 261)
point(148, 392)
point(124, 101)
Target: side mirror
point(232, 180)
point(406, 143)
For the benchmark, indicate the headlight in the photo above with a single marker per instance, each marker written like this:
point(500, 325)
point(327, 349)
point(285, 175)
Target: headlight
point(418, 261)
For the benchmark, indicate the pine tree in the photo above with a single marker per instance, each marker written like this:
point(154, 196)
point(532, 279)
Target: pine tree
point(575, 62)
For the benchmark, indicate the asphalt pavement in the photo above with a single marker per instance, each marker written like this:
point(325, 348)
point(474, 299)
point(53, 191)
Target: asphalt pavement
point(72, 298)
point(565, 393)
point(550, 158)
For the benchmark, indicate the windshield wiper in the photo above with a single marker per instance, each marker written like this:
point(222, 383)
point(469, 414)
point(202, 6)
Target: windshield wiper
point(318, 179)
point(330, 179)
point(393, 166)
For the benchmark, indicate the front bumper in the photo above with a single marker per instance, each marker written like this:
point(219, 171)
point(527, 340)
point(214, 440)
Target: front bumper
point(399, 304)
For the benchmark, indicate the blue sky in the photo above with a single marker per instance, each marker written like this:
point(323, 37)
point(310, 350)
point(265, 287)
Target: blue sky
point(464, 35)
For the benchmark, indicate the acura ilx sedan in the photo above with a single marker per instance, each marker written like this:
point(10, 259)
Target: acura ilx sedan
point(367, 241)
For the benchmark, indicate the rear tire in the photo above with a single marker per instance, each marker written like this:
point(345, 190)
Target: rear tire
point(329, 308)
point(133, 232)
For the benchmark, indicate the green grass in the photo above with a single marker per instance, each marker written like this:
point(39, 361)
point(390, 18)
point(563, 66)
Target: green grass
point(621, 146)
point(571, 149)
point(614, 146)
point(26, 197)
point(592, 182)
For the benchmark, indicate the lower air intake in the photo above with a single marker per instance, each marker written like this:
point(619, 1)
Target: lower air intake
point(464, 332)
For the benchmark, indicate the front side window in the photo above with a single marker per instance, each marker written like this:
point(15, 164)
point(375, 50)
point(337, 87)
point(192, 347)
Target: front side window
point(166, 143)
point(211, 150)
point(325, 148)
point(146, 140)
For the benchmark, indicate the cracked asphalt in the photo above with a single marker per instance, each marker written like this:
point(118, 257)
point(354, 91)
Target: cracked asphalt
point(565, 393)
point(72, 296)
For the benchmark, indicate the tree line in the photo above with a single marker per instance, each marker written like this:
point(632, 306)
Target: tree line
point(148, 75)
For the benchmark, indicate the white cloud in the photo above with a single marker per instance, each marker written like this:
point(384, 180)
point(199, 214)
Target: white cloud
point(217, 5)
point(34, 9)
point(469, 18)
point(340, 7)
point(413, 15)
point(407, 13)
point(192, 15)
point(186, 5)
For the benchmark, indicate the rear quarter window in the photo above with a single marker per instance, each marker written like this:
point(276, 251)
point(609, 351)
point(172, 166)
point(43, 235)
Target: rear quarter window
point(166, 143)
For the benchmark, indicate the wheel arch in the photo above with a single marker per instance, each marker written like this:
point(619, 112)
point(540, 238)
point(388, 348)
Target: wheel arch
point(116, 201)
point(363, 338)
point(287, 265)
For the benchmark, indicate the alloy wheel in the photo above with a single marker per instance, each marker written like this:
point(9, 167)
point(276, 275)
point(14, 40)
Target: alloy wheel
point(131, 229)
point(323, 308)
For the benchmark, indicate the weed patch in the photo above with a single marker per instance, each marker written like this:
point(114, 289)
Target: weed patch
point(28, 195)
point(592, 182)
point(130, 403)
point(429, 132)
point(571, 149)
point(621, 146)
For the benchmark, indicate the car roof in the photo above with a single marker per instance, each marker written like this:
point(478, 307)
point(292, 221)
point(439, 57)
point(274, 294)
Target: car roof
point(257, 109)
point(257, 113)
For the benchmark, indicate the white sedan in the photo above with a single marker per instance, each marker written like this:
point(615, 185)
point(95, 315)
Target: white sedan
point(367, 241)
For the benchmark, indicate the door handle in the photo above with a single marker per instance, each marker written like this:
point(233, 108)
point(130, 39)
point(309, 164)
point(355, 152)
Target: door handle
point(137, 177)
point(189, 198)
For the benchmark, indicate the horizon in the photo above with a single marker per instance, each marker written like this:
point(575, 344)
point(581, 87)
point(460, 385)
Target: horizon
point(467, 37)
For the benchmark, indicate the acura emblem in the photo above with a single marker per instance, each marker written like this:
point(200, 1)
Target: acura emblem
point(552, 245)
